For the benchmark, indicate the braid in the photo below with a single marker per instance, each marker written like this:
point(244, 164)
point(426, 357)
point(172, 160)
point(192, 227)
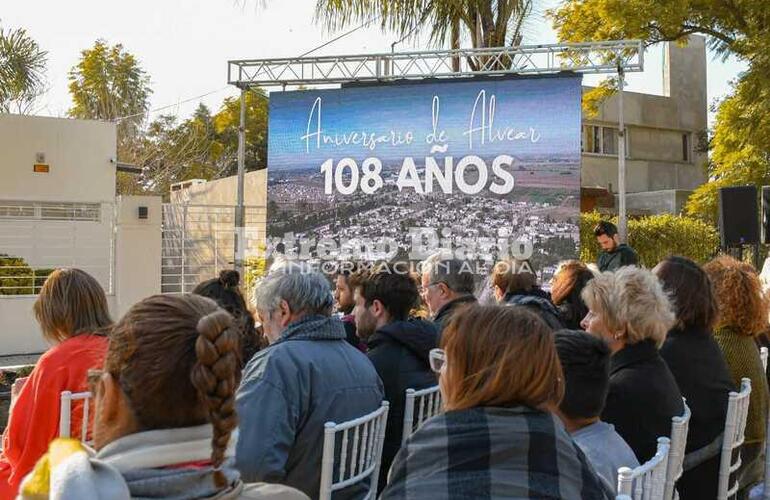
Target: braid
point(216, 376)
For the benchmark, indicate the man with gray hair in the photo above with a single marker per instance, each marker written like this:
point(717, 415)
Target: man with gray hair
point(447, 285)
point(309, 375)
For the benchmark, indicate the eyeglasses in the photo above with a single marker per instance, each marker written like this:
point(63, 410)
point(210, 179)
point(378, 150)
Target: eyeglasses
point(437, 358)
point(424, 289)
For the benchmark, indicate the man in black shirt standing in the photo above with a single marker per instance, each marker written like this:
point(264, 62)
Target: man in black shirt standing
point(614, 253)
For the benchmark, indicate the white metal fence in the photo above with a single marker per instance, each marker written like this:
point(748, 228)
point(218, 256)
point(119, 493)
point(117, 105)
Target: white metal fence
point(37, 237)
point(198, 242)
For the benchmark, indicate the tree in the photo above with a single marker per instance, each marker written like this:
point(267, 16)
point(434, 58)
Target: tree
point(204, 146)
point(22, 71)
point(486, 23)
point(226, 123)
point(170, 152)
point(740, 144)
point(108, 84)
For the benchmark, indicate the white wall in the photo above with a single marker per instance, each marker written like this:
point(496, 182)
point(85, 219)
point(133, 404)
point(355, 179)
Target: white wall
point(136, 276)
point(78, 153)
point(19, 331)
point(137, 251)
point(118, 244)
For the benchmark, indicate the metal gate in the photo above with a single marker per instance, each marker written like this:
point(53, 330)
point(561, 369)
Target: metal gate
point(198, 242)
point(37, 237)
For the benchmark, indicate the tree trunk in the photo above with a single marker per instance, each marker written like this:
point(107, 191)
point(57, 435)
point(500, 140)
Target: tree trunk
point(455, 42)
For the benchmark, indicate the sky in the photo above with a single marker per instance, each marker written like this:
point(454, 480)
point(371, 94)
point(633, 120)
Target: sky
point(184, 45)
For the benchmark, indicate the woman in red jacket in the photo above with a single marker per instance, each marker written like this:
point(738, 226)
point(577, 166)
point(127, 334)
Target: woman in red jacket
point(73, 316)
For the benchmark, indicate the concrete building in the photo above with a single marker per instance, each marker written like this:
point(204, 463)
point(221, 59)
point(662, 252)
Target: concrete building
point(199, 228)
point(58, 209)
point(663, 165)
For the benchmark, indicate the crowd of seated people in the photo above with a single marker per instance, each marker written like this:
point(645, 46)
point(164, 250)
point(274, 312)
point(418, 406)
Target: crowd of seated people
point(544, 395)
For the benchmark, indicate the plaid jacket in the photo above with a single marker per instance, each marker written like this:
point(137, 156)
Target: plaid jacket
point(493, 453)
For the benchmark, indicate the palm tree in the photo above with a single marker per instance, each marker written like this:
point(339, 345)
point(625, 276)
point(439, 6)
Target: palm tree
point(22, 71)
point(485, 23)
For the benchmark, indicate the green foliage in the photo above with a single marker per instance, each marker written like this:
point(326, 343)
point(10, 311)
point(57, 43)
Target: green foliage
point(655, 237)
point(486, 23)
point(226, 123)
point(741, 28)
point(22, 71)
point(256, 269)
point(108, 83)
point(18, 278)
point(204, 146)
point(740, 147)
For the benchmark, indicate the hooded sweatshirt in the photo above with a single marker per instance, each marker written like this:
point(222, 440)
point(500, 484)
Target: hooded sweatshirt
point(399, 353)
point(539, 302)
point(168, 463)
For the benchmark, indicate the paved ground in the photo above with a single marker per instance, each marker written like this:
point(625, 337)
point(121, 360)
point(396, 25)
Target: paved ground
point(18, 360)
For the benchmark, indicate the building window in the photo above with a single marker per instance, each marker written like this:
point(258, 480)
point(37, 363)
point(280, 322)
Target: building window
point(601, 140)
point(686, 147)
point(609, 141)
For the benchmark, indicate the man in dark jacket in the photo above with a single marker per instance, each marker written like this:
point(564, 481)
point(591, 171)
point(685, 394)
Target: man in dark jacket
point(614, 253)
point(398, 346)
point(447, 285)
point(307, 376)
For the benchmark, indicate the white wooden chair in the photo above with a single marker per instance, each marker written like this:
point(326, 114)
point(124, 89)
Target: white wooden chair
point(360, 453)
point(680, 427)
point(735, 426)
point(426, 401)
point(763, 356)
point(766, 485)
point(648, 481)
point(65, 413)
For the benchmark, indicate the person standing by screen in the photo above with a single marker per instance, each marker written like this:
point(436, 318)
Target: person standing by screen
point(614, 253)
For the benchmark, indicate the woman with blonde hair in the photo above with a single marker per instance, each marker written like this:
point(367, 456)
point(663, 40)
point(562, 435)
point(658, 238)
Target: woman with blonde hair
point(73, 316)
point(500, 377)
point(632, 313)
point(742, 316)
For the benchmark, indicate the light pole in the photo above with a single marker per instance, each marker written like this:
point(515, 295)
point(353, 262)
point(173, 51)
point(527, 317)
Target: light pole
point(622, 217)
point(240, 211)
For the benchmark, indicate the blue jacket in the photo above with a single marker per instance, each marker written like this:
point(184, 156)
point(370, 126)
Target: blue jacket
point(308, 377)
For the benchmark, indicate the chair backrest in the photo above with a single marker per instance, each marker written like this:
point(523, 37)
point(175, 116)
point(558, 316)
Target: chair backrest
point(735, 426)
point(763, 355)
point(65, 413)
point(679, 429)
point(648, 481)
point(360, 453)
point(426, 402)
point(766, 492)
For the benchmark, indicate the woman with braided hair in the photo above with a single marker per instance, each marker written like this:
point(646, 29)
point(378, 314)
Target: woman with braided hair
point(165, 412)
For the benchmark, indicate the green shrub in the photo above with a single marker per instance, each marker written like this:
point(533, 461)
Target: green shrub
point(15, 276)
point(19, 278)
point(655, 237)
